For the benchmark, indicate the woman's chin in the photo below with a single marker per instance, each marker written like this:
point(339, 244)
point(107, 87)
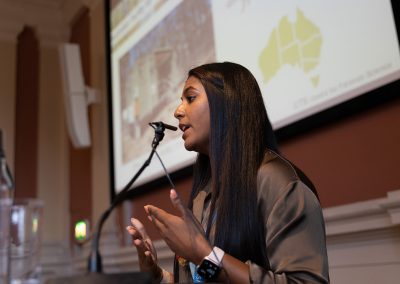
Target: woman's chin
point(188, 146)
point(194, 148)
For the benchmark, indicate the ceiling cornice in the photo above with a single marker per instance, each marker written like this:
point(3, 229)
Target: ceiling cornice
point(50, 18)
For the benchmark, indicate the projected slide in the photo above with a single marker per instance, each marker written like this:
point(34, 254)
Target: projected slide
point(306, 55)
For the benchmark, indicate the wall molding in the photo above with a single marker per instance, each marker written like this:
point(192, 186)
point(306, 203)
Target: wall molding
point(363, 216)
point(45, 17)
point(50, 18)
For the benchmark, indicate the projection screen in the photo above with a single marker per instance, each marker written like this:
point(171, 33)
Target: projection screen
point(306, 55)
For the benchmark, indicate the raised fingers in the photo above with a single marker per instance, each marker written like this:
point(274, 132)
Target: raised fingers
point(176, 201)
point(143, 245)
point(186, 213)
point(139, 227)
point(139, 234)
point(158, 217)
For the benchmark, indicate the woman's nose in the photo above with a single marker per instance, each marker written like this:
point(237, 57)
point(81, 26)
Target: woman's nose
point(179, 112)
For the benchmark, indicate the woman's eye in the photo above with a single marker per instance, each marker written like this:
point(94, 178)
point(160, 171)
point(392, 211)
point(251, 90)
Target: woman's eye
point(190, 98)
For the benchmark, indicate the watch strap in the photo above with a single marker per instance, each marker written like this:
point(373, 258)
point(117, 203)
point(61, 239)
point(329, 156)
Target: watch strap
point(211, 265)
point(216, 256)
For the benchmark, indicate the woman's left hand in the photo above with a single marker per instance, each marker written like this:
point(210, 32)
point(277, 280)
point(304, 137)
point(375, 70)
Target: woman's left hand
point(183, 234)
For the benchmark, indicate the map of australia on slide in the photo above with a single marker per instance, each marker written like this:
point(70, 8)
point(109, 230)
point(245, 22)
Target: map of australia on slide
point(297, 44)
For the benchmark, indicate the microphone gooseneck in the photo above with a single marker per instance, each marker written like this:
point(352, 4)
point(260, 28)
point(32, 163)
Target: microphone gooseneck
point(94, 261)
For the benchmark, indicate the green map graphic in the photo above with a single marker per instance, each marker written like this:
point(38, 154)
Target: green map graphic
point(297, 44)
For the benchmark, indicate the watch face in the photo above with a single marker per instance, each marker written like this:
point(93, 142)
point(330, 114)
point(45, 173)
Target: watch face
point(208, 269)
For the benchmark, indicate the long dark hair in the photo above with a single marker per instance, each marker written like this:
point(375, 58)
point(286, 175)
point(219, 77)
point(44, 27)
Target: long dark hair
point(240, 133)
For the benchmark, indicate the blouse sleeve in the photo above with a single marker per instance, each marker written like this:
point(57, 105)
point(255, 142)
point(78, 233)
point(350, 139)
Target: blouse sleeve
point(295, 234)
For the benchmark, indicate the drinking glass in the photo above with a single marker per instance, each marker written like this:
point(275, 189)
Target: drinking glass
point(5, 210)
point(25, 230)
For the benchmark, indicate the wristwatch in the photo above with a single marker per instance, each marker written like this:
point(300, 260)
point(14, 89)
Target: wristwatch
point(211, 265)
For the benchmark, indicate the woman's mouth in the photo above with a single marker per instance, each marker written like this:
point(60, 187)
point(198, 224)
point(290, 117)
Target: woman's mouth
point(183, 127)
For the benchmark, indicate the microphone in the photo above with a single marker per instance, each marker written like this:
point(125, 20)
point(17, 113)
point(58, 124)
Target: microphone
point(94, 261)
point(164, 125)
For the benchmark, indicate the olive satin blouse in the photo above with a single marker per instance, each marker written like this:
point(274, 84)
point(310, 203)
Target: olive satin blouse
point(294, 226)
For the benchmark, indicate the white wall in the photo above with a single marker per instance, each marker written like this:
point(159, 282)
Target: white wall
point(53, 179)
point(364, 241)
point(99, 113)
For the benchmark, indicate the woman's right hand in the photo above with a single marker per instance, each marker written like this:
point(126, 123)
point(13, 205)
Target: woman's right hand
point(145, 248)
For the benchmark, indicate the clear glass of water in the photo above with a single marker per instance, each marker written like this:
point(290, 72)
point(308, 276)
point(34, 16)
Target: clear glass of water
point(5, 210)
point(25, 230)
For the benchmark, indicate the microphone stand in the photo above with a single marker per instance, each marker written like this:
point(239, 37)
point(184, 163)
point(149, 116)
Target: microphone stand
point(94, 261)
